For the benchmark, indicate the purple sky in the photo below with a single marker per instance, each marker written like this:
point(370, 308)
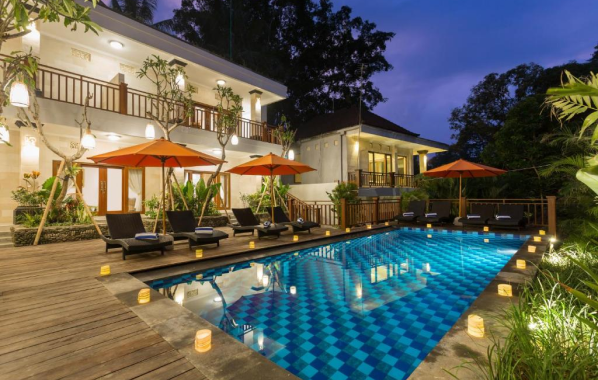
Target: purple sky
point(442, 48)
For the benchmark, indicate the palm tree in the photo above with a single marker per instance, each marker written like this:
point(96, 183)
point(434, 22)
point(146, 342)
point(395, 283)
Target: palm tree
point(140, 10)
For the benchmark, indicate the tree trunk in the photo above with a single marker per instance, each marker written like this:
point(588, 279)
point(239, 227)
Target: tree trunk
point(65, 182)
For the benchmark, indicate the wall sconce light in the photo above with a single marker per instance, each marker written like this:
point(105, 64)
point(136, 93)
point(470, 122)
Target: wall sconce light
point(505, 290)
point(150, 131)
point(19, 94)
point(203, 340)
point(105, 270)
point(198, 253)
point(295, 237)
point(143, 296)
point(293, 290)
point(521, 264)
point(291, 155)
point(180, 80)
point(475, 326)
point(234, 139)
point(251, 244)
point(486, 229)
point(327, 232)
point(531, 248)
point(258, 104)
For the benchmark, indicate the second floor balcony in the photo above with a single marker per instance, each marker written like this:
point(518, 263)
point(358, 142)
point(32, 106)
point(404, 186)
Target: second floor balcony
point(366, 179)
point(67, 87)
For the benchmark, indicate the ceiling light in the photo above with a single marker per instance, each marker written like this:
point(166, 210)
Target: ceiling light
point(116, 45)
point(113, 137)
point(220, 82)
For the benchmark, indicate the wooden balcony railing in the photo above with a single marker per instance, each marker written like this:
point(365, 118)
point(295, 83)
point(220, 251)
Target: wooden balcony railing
point(67, 87)
point(370, 179)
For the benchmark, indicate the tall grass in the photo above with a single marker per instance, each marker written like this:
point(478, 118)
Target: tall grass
point(545, 338)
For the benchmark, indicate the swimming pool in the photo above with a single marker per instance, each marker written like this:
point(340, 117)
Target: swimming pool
point(367, 308)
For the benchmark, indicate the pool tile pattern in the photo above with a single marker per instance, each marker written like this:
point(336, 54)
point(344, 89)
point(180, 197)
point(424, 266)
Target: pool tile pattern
point(368, 308)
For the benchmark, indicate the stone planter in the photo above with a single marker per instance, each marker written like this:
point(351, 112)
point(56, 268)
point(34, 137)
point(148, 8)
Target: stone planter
point(22, 210)
point(22, 236)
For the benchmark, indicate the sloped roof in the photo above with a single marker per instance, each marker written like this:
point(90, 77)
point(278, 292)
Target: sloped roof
point(346, 118)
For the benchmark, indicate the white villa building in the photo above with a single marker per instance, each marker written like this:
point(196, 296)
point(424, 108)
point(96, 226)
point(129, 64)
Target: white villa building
point(73, 63)
point(364, 148)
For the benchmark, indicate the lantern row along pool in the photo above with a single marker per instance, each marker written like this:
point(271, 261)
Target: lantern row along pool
point(367, 308)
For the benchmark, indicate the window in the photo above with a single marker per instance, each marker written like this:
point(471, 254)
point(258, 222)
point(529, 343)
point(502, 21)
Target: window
point(401, 165)
point(222, 200)
point(379, 163)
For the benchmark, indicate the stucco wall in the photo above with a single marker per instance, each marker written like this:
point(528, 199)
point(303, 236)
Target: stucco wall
point(312, 192)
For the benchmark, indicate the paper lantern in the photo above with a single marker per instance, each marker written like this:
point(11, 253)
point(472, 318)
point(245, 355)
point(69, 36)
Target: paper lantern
point(88, 141)
point(150, 131)
point(199, 253)
point(105, 270)
point(293, 290)
point(347, 229)
point(486, 240)
point(251, 244)
point(542, 232)
point(143, 296)
point(368, 226)
point(291, 155)
point(521, 264)
point(429, 225)
point(531, 248)
point(486, 229)
point(19, 94)
point(328, 233)
point(475, 326)
point(203, 340)
point(295, 237)
point(537, 239)
point(234, 139)
point(505, 290)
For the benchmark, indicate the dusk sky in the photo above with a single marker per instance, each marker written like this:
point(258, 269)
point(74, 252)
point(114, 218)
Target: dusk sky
point(443, 48)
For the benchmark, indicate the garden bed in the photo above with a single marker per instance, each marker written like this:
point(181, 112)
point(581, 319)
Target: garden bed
point(22, 236)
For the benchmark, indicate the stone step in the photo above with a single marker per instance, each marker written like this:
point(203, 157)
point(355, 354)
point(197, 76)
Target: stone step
point(5, 239)
point(4, 234)
point(6, 245)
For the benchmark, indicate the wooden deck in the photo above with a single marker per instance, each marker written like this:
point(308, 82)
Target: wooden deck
point(58, 322)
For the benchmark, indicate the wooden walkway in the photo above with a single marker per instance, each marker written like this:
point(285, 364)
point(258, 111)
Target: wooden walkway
point(58, 322)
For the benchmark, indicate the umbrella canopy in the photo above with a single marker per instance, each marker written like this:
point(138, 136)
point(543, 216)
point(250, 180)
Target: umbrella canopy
point(463, 169)
point(271, 165)
point(158, 153)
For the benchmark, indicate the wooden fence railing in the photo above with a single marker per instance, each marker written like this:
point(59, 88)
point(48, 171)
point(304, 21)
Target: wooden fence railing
point(68, 87)
point(368, 212)
point(370, 179)
point(321, 212)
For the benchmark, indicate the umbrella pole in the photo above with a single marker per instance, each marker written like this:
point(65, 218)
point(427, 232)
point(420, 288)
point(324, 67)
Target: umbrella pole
point(272, 198)
point(460, 202)
point(163, 200)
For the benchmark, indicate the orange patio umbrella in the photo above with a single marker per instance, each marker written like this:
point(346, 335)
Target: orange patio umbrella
point(463, 169)
point(271, 165)
point(158, 153)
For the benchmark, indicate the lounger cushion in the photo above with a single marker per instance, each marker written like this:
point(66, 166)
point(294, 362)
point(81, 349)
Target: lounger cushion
point(134, 245)
point(215, 236)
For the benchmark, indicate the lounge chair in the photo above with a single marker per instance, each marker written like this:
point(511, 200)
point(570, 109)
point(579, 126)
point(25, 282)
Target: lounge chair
point(485, 213)
point(418, 208)
point(247, 222)
point(442, 210)
point(124, 227)
point(281, 218)
point(516, 220)
point(183, 226)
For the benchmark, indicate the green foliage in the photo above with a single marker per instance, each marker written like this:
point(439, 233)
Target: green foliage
point(415, 195)
point(151, 206)
point(282, 39)
point(547, 335)
point(344, 190)
point(16, 15)
point(195, 196)
point(140, 10)
point(70, 212)
point(25, 197)
point(253, 200)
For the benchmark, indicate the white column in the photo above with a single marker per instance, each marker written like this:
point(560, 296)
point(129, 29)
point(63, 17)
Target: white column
point(423, 160)
point(256, 105)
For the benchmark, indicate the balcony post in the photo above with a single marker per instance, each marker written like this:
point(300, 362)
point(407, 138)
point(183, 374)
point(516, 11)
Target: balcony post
point(376, 210)
point(392, 179)
point(343, 211)
point(551, 214)
point(358, 180)
point(123, 98)
point(264, 132)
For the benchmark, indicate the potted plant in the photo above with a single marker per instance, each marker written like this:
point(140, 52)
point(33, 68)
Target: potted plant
point(30, 198)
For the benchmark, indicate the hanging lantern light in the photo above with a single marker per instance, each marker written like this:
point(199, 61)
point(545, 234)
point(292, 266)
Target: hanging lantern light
point(150, 132)
point(19, 94)
point(4, 135)
point(234, 139)
point(292, 155)
point(88, 141)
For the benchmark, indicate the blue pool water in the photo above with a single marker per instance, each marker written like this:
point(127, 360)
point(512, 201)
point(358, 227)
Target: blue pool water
point(367, 308)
